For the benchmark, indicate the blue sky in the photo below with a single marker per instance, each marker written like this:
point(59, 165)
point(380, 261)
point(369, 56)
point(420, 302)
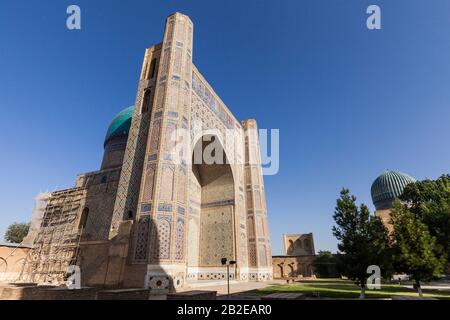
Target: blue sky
point(349, 102)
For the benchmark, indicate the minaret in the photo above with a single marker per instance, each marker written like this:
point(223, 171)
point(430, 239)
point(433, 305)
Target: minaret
point(154, 181)
point(260, 258)
point(166, 170)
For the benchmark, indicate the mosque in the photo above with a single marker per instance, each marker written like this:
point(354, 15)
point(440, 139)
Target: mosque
point(385, 189)
point(151, 216)
point(155, 216)
point(299, 256)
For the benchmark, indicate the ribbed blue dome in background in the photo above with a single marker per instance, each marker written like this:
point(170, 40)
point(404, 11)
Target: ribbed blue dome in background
point(388, 186)
point(121, 124)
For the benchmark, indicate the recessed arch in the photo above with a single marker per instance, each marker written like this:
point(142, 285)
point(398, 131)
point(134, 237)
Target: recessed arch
point(290, 249)
point(3, 265)
point(307, 244)
point(214, 194)
point(281, 270)
point(291, 270)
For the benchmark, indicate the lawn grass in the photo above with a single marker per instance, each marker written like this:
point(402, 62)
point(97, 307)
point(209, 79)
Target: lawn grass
point(337, 288)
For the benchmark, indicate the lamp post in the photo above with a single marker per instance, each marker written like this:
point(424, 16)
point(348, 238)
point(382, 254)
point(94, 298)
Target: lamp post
point(228, 263)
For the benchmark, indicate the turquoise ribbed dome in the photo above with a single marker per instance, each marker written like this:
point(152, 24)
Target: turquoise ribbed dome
point(389, 186)
point(120, 125)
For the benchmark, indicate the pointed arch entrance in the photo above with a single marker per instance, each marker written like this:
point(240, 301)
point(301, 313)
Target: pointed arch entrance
point(212, 207)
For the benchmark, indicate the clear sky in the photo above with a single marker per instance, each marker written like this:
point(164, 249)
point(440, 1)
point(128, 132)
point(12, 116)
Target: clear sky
point(349, 102)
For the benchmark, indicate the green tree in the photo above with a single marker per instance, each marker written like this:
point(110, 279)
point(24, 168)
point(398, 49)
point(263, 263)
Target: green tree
point(414, 247)
point(429, 201)
point(363, 240)
point(16, 232)
point(325, 264)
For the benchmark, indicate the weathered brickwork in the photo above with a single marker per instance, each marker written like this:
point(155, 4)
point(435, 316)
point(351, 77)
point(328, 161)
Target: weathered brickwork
point(293, 266)
point(298, 244)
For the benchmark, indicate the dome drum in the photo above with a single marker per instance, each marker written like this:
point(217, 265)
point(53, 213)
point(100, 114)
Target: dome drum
point(116, 139)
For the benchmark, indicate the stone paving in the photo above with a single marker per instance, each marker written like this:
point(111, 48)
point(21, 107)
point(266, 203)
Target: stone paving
point(235, 287)
point(432, 287)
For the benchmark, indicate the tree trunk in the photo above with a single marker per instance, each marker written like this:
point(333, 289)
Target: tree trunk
point(362, 294)
point(419, 288)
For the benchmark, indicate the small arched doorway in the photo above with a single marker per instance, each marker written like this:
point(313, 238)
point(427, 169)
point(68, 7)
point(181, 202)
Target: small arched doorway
point(281, 270)
point(291, 270)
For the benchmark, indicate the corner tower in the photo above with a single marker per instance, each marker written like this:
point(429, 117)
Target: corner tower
point(259, 247)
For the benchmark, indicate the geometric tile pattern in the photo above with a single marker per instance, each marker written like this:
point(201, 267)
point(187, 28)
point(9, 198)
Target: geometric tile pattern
point(179, 240)
point(215, 240)
point(142, 239)
point(162, 243)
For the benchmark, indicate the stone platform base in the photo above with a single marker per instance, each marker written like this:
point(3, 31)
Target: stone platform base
point(193, 295)
point(35, 292)
point(284, 296)
point(208, 283)
point(124, 294)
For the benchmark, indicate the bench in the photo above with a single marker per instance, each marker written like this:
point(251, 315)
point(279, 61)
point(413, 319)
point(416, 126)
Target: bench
point(284, 296)
point(193, 295)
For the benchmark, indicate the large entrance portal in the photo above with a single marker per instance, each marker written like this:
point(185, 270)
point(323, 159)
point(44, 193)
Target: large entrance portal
point(212, 193)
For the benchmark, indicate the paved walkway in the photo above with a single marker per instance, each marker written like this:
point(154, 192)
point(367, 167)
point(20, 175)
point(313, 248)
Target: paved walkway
point(432, 287)
point(236, 287)
point(441, 285)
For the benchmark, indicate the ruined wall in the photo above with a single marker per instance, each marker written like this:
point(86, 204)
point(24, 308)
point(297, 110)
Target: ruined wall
point(74, 223)
point(12, 259)
point(101, 189)
point(55, 247)
point(293, 266)
point(40, 203)
point(298, 244)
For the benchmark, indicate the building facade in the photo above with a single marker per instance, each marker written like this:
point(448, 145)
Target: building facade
point(12, 259)
point(298, 244)
point(298, 259)
point(159, 213)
